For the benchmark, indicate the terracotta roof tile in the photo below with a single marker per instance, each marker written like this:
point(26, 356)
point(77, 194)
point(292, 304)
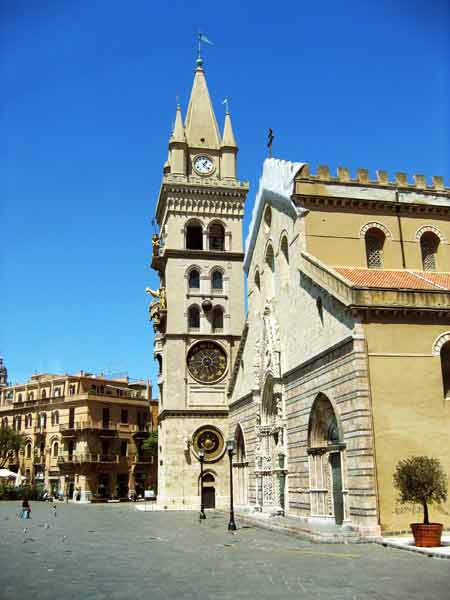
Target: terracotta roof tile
point(404, 279)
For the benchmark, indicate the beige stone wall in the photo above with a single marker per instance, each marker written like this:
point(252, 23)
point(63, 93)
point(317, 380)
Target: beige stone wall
point(180, 297)
point(179, 485)
point(243, 415)
point(293, 297)
point(341, 375)
point(411, 416)
point(175, 226)
point(333, 236)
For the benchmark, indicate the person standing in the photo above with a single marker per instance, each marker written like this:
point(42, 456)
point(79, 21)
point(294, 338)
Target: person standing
point(26, 509)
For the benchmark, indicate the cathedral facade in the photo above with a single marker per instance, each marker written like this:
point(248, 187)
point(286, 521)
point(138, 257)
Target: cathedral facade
point(344, 364)
point(341, 367)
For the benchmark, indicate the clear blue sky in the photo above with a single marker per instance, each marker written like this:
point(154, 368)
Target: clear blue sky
point(88, 97)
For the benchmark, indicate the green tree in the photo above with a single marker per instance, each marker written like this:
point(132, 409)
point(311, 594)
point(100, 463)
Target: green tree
point(151, 443)
point(421, 480)
point(10, 442)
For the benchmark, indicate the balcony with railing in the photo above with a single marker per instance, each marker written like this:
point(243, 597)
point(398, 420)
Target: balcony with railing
point(79, 458)
point(88, 457)
point(104, 428)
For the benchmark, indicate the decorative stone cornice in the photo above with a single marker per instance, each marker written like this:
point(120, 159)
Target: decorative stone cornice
point(201, 254)
point(192, 414)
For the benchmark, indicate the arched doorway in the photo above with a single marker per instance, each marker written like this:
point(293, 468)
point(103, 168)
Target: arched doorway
point(326, 462)
point(209, 491)
point(240, 465)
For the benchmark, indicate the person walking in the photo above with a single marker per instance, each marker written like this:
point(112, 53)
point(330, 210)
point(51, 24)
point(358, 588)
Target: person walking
point(26, 509)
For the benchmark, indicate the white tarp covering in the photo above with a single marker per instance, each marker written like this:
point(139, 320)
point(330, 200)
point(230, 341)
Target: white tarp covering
point(276, 185)
point(6, 474)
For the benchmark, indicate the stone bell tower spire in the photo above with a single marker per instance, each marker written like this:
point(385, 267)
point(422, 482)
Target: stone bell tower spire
point(201, 125)
point(198, 311)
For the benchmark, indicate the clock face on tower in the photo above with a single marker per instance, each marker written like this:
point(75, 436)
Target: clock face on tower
point(203, 165)
point(207, 362)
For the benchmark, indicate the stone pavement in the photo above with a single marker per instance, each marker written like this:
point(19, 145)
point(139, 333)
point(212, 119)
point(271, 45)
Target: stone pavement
point(115, 552)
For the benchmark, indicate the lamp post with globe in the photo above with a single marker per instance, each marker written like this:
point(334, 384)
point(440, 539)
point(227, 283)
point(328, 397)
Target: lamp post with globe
point(230, 449)
point(201, 456)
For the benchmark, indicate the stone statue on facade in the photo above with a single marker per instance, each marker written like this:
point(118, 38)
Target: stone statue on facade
point(159, 294)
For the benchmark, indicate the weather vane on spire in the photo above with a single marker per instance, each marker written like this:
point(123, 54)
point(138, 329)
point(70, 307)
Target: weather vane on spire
point(226, 101)
point(201, 38)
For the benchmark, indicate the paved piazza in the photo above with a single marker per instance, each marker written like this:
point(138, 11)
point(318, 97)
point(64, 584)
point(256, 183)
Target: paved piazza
point(116, 552)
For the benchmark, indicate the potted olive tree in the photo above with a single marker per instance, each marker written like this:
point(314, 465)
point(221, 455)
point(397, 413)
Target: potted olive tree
point(421, 480)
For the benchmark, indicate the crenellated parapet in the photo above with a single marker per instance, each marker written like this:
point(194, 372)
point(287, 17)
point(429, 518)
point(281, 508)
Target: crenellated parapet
point(382, 179)
point(344, 192)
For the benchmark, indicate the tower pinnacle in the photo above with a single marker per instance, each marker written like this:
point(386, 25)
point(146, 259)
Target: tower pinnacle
point(228, 139)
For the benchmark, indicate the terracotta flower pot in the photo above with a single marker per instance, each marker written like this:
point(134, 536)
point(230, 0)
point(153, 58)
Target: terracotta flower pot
point(427, 536)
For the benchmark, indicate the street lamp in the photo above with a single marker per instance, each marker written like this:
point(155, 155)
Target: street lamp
point(230, 449)
point(201, 455)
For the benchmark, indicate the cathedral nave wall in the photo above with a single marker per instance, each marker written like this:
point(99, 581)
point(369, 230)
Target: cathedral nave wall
point(340, 374)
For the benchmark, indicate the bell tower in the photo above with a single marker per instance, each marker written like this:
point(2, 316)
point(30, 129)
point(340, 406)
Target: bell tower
point(198, 311)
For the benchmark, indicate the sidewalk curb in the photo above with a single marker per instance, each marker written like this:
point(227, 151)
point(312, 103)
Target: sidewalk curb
point(301, 532)
point(430, 552)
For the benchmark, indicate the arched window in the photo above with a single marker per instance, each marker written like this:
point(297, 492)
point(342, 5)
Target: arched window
point(216, 237)
point(194, 236)
point(28, 450)
point(267, 218)
point(269, 271)
point(19, 398)
point(194, 318)
point(29, 421)
point(445, 366)
point(257, 281)
point(43, 420)
point(217, 280)
point(208, 478)
point(55, 418)
point(217, 319)
point(57, 392)
point(194, 279)
point(55, 449)
point(374, 248)
point(44, 394)
point(283, 258)
point(285, 249)
point(4, 422)
point(429, 243)
point(30, 397)
point(270, 261)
